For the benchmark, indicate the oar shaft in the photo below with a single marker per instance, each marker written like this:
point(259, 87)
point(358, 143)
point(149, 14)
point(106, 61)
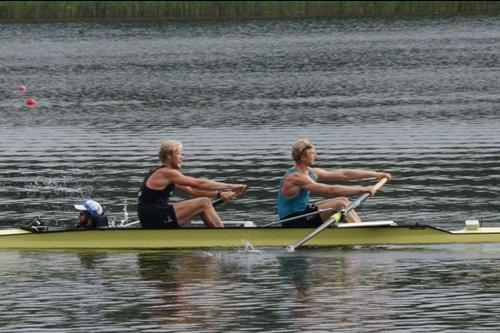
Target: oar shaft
point(217, 202)
point(381, 183)
point(319, 211)
point(335, 218)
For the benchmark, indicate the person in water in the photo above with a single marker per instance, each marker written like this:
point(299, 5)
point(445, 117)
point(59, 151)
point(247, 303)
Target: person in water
point(154, 207)
point(299, 181)
point(91, 215)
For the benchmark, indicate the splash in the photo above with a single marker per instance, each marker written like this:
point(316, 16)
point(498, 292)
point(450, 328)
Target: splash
point(249, 247)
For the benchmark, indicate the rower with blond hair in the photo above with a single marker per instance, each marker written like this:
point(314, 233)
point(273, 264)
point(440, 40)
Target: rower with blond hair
point(155, 209)
point(304, 178)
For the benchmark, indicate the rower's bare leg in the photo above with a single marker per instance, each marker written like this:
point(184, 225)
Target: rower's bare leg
point(352, 217)
point(337, 203)
point(186, 210)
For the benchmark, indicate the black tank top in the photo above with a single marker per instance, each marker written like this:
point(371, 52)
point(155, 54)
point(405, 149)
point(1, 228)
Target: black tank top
point(159, 198)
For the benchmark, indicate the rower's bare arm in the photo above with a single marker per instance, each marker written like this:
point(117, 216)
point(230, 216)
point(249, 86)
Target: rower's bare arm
point(337, 190)
point(224, 195)
point(349, 174)
point(194, 192)
point(293, 184)
point(180, 180)
point(238, 189)
point(204, 184)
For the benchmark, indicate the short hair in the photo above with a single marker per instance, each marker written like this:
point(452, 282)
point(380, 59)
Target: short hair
point(299, 147)
point(167, 148)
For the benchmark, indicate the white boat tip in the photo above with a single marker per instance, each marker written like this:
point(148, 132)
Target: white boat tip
point(472, 225)
point(290, 248)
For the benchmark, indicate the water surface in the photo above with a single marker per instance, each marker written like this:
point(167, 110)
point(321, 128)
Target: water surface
point(384, 289)
point(417, 97)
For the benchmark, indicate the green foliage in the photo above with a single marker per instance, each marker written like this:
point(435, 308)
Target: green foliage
point(92, 10)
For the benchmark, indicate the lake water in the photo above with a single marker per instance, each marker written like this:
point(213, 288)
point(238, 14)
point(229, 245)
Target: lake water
point(417, 97)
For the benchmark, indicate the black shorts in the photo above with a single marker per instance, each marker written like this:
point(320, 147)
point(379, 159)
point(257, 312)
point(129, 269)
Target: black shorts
point(311, 221)
point(154, 217)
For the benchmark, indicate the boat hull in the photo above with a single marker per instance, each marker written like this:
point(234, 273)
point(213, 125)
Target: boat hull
point(192, 238)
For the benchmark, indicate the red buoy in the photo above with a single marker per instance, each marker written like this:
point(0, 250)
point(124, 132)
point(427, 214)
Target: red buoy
point(31, 102)
point(22, 89)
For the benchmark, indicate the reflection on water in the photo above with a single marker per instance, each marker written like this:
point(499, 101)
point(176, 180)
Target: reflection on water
point(351, 289)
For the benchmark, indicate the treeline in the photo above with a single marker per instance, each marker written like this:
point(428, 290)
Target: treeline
point(170, 10)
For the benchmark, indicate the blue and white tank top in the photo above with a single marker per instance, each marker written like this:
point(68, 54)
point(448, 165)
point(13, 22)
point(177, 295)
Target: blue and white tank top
point(287, 206)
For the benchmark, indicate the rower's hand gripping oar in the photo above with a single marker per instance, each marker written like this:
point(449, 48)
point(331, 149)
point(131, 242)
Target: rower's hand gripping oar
point(336, 217)
point(222, 198)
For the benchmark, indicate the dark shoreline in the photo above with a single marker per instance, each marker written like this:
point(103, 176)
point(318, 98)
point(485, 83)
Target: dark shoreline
point(32, 11)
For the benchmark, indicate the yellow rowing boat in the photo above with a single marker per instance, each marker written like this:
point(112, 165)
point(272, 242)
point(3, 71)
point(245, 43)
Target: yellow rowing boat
point(365, 233)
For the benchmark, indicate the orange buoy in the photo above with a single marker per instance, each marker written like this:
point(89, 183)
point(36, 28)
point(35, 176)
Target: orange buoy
point(22, 89)
point(31, 102)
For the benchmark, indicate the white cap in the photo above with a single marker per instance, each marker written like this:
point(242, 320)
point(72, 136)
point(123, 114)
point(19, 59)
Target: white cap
point(92, 207)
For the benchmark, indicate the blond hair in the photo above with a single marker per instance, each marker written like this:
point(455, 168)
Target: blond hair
point(299, 147)
point(167, 148)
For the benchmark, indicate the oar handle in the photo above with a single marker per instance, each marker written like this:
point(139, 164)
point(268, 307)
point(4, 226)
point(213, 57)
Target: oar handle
point(217, 202)
point(381, 183)
point(359, 200)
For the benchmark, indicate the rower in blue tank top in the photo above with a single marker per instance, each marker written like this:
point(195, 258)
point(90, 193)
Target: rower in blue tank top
point(289, 206)
point(295, 189)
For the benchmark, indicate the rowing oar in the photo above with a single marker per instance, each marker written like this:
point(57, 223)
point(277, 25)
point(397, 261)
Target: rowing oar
point(217, 202)
point(319, 211)
point(335, 218)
